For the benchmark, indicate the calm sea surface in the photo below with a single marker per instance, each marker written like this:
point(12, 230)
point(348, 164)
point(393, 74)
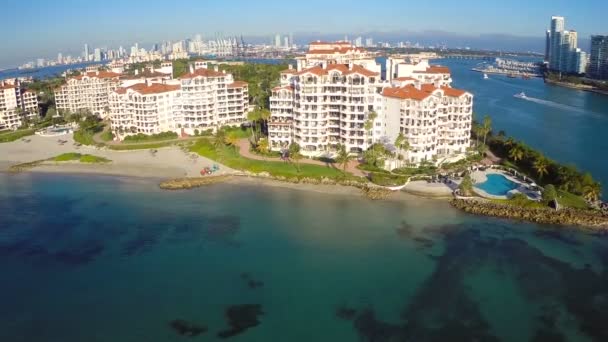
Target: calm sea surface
point(111, 259)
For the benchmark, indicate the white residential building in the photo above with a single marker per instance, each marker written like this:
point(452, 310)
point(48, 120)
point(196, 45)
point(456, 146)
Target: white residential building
point(145, 108)
point(325, 102)
point(88, 91)
point(330, 105)
point(436, 121)
point(200, 100)
point(337, 53)
point(16, 103)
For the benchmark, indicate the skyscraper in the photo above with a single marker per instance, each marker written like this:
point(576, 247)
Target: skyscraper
point(561, 49)
point(97, 56)
point(547, 45)
point(86, 52)
point(598, 61)
point(277, 40)
point(557, 27)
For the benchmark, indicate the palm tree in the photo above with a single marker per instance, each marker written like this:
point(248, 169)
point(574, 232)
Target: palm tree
point(220, 139)
point(369, 124)
point(591, 192)
point(264, 116)
point(509, 142)
point(402, 144)
point(516, 153)
point(231, 139)
point(294, 153)
point(262, 146)
point(486, 127)
point(343, 157)
point(253, 118)
point(541, 166)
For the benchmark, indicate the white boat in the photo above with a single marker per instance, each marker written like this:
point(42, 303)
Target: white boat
point(485, 76)
point(521, 95)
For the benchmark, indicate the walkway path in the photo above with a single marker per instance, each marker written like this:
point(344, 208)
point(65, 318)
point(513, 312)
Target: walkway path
point(244, 151)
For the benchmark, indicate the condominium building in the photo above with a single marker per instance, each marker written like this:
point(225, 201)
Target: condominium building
point(211, 98)
point(147, 108)
point(338, 53)
point(200, 100)
point(562, 50)
point(436, 121)
point(88, 91)
point(16, 103)
point(332, 103)
point(598, 61)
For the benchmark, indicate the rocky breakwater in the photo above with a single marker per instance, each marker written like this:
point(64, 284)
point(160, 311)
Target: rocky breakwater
point(567, 216)
point(191, 183)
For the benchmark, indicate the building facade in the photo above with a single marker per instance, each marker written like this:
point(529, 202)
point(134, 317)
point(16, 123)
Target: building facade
point(88, 91)
point(562, 50)
point(144, 108)
point(16, 103)
point(598, 60)
point(203, 99)
point(331, 103)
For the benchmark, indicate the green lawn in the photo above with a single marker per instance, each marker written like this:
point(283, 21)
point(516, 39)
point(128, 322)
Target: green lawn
point(15, 135)
point(520, 202)
point(567, 199)
point(84, 137)
point(107, 135)
point(83, 158)
point(140, 138)
point(230, 157)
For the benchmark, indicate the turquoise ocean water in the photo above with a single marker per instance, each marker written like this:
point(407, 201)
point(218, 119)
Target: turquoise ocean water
point(109, 259)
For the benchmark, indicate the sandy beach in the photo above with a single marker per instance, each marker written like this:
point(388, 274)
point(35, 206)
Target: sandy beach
point(168, 162)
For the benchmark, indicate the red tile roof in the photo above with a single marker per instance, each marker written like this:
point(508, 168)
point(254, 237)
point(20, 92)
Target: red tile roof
point(289, 71)
point(407, 92)
point(426, 90)
point(97, 74)
point(144, 89)
point(289, 88)
point(202, 72)
point(238, 84)
point(453, 92)
point(342, 68)
point(335, 50)
point(435, 69)
point(405, 79)
point(7, 86)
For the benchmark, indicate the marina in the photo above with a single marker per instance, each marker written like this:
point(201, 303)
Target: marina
point(510, 67)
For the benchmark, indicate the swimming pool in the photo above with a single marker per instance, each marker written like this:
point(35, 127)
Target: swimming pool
point(497, 185)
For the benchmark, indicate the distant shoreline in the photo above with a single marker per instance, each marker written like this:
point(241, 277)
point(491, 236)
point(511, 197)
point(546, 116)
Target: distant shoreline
point(581, 87)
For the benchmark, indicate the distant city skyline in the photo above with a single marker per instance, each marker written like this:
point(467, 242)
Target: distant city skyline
point(64, 27)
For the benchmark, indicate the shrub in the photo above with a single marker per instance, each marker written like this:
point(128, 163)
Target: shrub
point(384, 179)
point(152, 137)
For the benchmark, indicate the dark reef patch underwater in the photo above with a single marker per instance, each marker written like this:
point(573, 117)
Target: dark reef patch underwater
point(444, 310)
point(101, 259)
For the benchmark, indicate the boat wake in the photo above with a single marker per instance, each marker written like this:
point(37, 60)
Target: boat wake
point(552, 104)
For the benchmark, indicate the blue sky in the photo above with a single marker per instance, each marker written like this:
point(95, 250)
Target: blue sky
point(41, 28)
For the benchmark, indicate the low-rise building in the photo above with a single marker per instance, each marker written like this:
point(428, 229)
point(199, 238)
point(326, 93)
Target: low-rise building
point(16, 103)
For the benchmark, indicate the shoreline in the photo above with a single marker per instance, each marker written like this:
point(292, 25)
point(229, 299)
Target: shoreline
point(580, 87)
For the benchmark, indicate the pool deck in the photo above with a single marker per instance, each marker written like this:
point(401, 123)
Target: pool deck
point(481, 177)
